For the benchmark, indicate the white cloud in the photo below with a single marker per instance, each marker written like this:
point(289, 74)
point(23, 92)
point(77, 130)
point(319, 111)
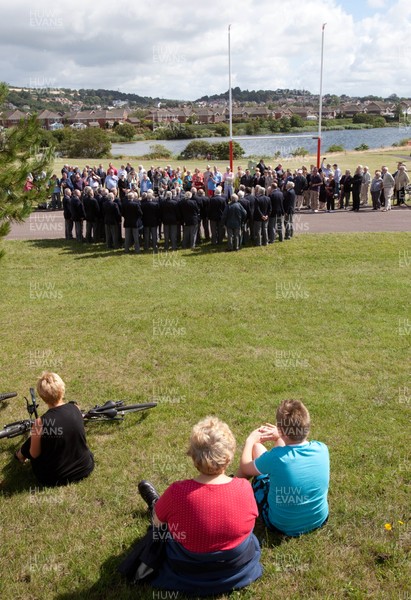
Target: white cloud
point(180, 51)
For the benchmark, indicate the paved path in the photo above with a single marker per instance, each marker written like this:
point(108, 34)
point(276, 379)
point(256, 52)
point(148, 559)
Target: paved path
point(50, 225)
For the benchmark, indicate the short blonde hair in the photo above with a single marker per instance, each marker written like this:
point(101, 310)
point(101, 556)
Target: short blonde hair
point(293, 419)
point(51, 388)
point(212, 446)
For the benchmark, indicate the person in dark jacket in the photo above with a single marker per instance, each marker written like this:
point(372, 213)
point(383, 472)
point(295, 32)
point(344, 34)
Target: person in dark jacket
point(251, 203)
point(77, 214)
point(262, 211)
point(215, 212)
point(300, 184)
point(356, 188)
point(111, 217)
point(68, 221)
point(92, 212)
point(245, 233)
point(190, 214)
point(247, 179)
point(198, 197)
point(170, 217)
point(234, 216)
point(346, 187)
point(151, 220)
point(289, 209)
point(133, 215)
point(275, 221)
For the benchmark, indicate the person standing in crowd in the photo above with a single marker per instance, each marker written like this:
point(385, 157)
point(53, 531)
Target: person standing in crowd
point(234, 216)
point(262, 211)
point(228, 181)
point(356, 188)
point(300, 183)
point(170, 217)
point(111, 181)
point(132, 214)
point(337, 179)
point(376, 187)
point(315, 184)
point(365, 186)
point(289, 207)
point(77, 214)
point(151, 220)
point(92, 214)
point(190, 215)
point(275, 221)
point(401, 180)
point(346, 187)
point(111, 217)
point(215, 213)
point(68, 220)
point(388, 188)
point(330, 187)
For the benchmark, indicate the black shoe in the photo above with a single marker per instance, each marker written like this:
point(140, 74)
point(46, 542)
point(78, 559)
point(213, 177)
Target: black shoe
point(149, 493)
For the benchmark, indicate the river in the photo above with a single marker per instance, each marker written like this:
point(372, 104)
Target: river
point(348, 138)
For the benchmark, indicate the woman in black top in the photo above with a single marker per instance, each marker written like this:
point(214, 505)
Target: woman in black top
point(57, 447)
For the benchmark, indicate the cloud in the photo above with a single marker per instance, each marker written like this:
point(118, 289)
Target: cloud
point(180, 51)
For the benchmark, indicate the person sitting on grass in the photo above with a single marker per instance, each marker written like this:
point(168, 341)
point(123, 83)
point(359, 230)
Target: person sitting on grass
point(57, 446)
point(210, 545)
point(290, 480)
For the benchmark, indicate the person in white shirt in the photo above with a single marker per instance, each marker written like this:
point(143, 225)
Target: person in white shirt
point(365, 186)
point(388, 187)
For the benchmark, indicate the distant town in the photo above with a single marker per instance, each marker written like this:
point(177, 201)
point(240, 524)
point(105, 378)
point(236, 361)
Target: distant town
point(56, 108)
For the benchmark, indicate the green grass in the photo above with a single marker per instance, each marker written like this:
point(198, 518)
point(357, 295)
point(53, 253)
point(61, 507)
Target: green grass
point(239, 344)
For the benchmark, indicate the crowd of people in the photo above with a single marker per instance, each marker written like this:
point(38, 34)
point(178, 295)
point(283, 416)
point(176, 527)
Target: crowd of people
point(187, 208)
point(201, 538)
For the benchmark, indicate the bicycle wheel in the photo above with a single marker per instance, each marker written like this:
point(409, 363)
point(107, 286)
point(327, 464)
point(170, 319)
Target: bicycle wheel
point(129, 408)
point(7, 395)
point(14, 430)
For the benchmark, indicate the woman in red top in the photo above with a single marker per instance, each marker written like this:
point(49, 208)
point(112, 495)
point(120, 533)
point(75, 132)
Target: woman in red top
point(210, 548)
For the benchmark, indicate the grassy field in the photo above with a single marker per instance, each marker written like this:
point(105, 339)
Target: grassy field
point(374, 159)
point(322, 318)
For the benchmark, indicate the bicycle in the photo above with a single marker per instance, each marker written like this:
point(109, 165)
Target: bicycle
point(109, 411)
point(7, 395)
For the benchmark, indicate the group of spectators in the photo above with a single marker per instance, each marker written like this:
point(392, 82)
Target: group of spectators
point(188, 208)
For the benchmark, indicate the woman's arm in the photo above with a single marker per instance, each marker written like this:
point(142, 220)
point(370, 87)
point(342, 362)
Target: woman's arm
point(35, 438)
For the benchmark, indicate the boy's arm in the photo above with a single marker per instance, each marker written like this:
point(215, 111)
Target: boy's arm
point(247, 467)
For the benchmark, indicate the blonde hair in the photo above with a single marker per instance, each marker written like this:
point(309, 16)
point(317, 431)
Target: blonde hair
point(212, 446)
point(293, 419)
point(51, 388)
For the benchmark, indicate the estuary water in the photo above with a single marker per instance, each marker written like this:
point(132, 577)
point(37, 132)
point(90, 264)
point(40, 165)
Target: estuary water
point(348, 138)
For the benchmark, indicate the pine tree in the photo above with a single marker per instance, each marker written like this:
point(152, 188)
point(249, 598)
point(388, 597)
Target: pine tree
point(21, 156)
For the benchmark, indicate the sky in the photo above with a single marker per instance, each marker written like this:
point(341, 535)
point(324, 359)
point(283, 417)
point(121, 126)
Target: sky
point(179, 49)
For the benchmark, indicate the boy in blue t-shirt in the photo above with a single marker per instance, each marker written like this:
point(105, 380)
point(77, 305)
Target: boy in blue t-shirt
point(290, 480)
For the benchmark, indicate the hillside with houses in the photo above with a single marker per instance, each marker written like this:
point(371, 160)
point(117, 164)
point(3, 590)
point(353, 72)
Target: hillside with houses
point(79, 109)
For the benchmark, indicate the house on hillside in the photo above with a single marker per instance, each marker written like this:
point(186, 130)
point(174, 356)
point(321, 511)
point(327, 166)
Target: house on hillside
point(47, 117)
point(382, 109)
point(349, 110)
point(11, 118)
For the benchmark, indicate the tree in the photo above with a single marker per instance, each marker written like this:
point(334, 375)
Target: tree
point(296, 121)
point(285, 125)
point(88, 143)
point(21, 155)
point(126, 131)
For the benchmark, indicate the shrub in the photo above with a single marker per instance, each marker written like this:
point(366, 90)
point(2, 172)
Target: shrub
point(362, 147)
point(300, 151)
point(196, 149)
point(87, 143)
point(335, 148)
point(158, 151)
point(126, 131)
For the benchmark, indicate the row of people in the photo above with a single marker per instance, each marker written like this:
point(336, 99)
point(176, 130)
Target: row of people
point(316, 189)
point(205, 523)
point(190, 217)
